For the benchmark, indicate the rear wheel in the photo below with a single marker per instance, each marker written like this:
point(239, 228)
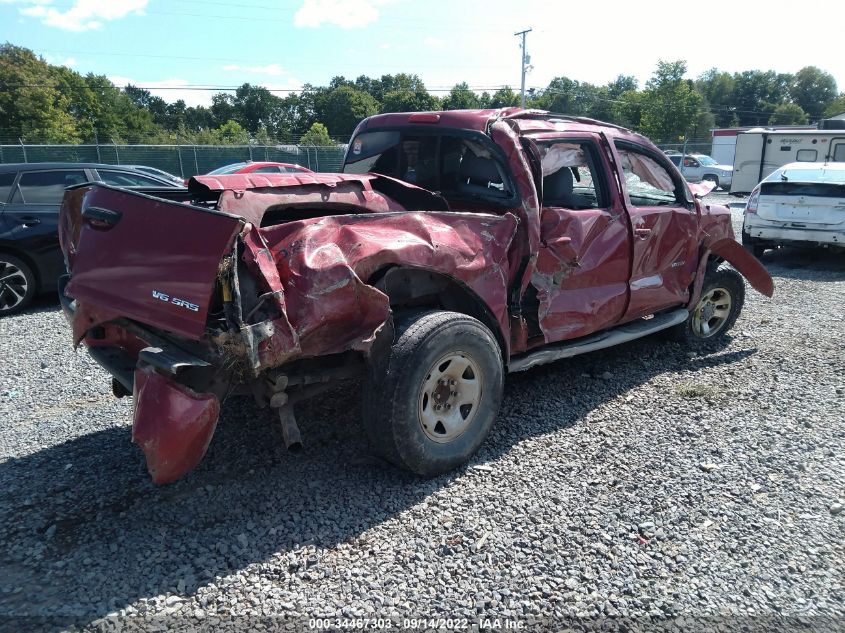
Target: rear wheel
point(429, 406)
point(755, 247)
point(17, 284)
point(722, 298)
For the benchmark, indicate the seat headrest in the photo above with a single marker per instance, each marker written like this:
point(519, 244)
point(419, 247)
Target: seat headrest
point(479, 169)
point(558, 185)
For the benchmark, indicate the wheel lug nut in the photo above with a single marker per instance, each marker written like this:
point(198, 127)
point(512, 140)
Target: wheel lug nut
point(451, 382)
point(448, 406)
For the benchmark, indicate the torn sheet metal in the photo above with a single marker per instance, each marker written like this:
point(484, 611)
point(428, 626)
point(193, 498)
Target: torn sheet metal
point(172, 424)
point(323, 266)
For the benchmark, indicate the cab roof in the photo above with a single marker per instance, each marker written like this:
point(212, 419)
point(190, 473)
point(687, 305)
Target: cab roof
point(527, 121)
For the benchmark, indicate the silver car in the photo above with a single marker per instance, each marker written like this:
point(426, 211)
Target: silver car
point(698, 167)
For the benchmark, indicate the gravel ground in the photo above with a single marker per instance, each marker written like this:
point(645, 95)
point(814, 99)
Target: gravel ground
point(645, 480)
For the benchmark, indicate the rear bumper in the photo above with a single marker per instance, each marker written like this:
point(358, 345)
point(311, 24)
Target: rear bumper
point(171, 423)
point(782, 234)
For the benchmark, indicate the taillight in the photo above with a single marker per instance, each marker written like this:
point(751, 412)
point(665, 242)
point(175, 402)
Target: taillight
point(753, 201)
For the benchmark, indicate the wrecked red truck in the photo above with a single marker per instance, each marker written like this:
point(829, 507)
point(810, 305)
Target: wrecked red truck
point(456, 247)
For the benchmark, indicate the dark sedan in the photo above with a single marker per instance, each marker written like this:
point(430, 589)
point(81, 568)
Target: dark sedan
point(30, 195)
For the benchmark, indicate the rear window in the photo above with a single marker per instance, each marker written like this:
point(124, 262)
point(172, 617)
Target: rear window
point(124, 179)
point(47, 187)
point(807, 175)
point(457, 166)
point(227, 169)
point(812, 189)
point(6, 181)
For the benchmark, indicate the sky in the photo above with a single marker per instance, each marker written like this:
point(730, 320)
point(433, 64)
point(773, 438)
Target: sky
point(173, 46)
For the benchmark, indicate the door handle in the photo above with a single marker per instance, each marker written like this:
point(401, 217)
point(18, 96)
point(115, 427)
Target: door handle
point(642, 233)
point(30, 221)
point(101, 218)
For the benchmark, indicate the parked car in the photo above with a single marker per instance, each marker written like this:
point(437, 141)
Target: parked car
point(535, 249)
point(30, 195)
point(801, 204)
point(259, 167)
point(698, 167)
point(158, 173)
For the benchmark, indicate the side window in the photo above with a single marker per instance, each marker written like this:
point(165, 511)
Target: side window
point(676, 159)
point(46, 187)
point(806, 155)
point(269, 169)
point(570, 176)
point(839, 153)
point(648, 183)
point(125, 179)
point(6, 181)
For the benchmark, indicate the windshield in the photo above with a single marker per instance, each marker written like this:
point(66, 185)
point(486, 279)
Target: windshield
point(819, 174)
point(705, 160)
point(227, 169)
point(451, 165)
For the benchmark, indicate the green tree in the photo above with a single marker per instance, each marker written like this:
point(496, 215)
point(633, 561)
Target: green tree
point(627, 109)
point(317, 134)
point(503, 98)
point(460, 97)
point(788, 114)
point(670, 103)
point(813, 89)
point(717, 88)
point(837, 106)
point(32, 107)
point(343, 107)
point(757, 93)
point(409, 101)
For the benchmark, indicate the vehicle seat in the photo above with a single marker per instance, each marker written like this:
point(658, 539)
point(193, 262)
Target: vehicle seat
point(557, 191)
point(477, 174)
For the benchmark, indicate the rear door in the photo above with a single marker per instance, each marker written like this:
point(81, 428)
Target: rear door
point(145, 258)
point(664, 224)
point(584, 257)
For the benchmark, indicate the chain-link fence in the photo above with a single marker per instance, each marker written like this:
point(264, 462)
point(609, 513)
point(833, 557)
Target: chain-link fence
point(182, 160)
point(690, 147)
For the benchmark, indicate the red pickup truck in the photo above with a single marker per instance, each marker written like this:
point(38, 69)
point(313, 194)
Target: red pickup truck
point(456, 247)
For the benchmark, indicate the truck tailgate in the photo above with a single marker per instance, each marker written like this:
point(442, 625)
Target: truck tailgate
point(142, 257)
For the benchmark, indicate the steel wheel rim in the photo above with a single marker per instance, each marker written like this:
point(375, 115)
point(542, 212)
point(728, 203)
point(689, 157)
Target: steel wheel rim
point(712, 313)
point(13, 286)
point(450, 397)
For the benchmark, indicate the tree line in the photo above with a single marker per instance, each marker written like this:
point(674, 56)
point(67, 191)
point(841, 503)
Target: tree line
point(44, 103)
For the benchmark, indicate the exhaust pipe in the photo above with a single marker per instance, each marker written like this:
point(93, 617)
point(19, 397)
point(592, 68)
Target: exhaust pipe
point(290, 430)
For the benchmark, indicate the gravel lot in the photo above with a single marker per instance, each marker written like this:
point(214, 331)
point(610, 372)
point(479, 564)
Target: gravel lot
point(641, 481)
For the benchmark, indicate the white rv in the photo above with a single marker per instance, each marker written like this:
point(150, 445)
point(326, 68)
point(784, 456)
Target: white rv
point(760, 151)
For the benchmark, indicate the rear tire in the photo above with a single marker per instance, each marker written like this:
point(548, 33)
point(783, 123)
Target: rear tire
point(721, 301)
point(430, 405)
point(17, 284)
point(755, 247)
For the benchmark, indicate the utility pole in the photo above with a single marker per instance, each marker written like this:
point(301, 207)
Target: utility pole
point(526, 59)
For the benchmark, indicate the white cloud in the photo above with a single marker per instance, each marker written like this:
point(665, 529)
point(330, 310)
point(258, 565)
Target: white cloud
point(431, 42)
point(273, 70)
point(347, 14)
point(84, 15)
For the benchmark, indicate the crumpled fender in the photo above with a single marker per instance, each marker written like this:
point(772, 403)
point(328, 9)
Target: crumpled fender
point(734, 253)
point(318, 272)
point(172, 424)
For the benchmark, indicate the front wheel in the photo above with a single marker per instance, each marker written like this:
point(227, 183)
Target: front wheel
point(722, 298)
point(430, 405)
